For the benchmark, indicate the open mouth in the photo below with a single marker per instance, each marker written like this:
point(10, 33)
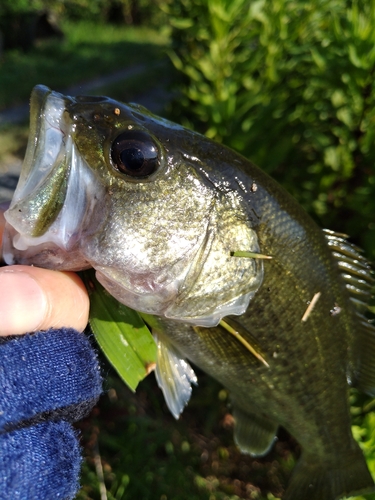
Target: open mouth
point(47, 131)
point(45, 216)
point(33, 208)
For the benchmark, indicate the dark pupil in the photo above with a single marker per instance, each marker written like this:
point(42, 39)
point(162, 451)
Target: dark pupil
point(133, 158)
point(134, 153)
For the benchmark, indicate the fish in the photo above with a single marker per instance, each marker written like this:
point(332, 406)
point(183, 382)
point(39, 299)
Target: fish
point(234, 275)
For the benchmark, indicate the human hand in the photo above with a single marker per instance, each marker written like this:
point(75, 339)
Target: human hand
point(33, 299)
point(47, 380)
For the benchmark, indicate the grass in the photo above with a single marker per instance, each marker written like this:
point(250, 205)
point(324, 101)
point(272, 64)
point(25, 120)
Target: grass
point(87, 51)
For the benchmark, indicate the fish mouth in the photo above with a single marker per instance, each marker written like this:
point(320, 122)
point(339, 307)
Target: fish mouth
point(39, 109)
point(45, 216)
point(33, 208)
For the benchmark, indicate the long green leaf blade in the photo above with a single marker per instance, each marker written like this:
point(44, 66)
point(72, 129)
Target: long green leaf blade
point(121, 334)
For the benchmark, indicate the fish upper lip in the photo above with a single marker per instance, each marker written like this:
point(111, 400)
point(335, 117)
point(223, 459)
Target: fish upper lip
point(44, 156)
point(37, 220)
point(38, 96)
point(38, 103)
point(45, 139)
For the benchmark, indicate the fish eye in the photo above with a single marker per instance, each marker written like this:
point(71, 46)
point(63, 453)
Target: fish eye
point(135, 154)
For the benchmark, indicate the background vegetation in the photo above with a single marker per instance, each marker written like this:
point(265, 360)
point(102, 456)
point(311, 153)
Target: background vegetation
point(288, 83)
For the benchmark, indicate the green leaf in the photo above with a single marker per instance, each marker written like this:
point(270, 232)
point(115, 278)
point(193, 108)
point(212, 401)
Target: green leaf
point(319, 59)
point(354, 57)
point(121, 334)
point(181, 23)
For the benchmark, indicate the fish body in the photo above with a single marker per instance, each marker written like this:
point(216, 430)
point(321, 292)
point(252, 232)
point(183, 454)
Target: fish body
point(158, 211)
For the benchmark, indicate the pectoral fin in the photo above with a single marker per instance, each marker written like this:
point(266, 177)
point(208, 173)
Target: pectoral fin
point(174, 376)
point(253, 434)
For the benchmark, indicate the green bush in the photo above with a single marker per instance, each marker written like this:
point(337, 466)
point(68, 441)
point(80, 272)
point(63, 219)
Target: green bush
point(289, 84)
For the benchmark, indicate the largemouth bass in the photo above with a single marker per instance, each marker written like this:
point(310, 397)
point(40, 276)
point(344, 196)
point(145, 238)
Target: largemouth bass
point(160, 212)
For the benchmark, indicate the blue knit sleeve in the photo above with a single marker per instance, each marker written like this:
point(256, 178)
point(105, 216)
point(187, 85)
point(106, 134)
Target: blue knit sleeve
point(47, 381)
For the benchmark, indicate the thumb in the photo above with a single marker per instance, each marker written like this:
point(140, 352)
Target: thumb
point(34, 299)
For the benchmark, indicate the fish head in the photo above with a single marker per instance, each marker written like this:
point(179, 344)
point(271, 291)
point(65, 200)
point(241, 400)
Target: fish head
point(140, 199)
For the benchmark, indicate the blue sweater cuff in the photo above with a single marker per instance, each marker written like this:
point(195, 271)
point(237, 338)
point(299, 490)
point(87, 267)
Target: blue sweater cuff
point(40, 462)
point(47, 380)
point(46, 373)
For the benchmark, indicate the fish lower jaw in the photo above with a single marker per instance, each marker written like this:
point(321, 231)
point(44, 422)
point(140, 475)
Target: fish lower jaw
point(18, 250)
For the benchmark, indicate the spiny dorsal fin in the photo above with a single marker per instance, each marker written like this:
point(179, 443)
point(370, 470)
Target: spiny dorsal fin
point(356, 270)
point(357, 273)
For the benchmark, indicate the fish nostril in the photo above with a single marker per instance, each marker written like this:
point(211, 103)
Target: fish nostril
point(139, 116)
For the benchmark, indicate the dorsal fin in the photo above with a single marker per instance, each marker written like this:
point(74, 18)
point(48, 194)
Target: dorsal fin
point(356, 270)
point(358, 276)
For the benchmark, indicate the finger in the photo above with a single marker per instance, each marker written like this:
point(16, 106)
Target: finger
point(34, 299)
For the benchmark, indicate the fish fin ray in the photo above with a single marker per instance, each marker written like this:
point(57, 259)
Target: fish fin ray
point(358, 276)
point(356, 271)
point(316, 480)
point(174, 376)
point(253, 434)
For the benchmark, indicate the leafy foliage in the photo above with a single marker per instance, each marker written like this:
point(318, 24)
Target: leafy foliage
point(290, 84)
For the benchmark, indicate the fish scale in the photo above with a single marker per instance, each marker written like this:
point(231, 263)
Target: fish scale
point(160, 212)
